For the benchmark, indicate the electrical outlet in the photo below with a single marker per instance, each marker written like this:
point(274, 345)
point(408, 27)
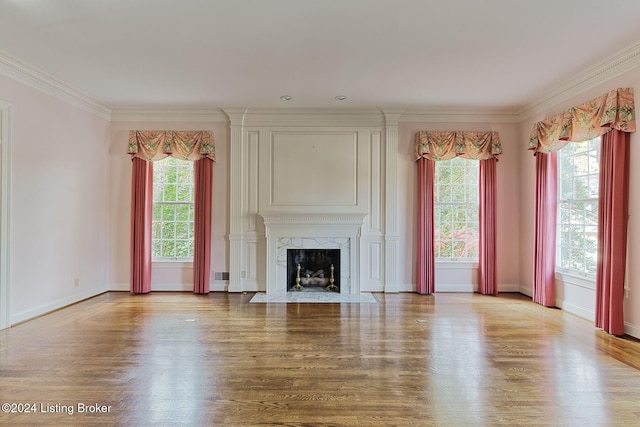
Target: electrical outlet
point(243, 274)
point(76, 282)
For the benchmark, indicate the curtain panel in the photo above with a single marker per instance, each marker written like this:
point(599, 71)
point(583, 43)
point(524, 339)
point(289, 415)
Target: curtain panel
point(488, 226)
point(146, 147)
point(611, 116)
point(613, 212)
point(438, 145)
point(444, 145)
point(158, 144)
point(141, 217)
point(202, 227)
point(613, 110)
point(544, 251)
point(425, 265)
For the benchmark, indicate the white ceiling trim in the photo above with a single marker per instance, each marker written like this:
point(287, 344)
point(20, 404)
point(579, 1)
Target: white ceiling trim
point(309, 117)
point(168, 115)
point(617, 64)
point(31, 76)
point(460, 115)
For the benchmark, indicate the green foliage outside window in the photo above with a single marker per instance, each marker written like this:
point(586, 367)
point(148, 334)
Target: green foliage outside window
point(577, 228)
point(173, 209)
point(456, 209)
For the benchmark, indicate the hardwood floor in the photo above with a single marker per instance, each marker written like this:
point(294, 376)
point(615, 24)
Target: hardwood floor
point(442, 360)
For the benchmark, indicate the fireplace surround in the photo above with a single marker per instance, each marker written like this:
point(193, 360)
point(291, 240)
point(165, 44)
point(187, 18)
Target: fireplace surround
point(340, 232)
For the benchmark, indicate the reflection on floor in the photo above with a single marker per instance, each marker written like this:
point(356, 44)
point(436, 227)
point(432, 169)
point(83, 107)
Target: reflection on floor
point(305, 296)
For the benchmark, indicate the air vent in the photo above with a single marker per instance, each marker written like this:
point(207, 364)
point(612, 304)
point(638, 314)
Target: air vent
point(221, 275)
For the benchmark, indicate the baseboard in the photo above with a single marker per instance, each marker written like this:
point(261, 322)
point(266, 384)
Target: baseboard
point(124, 287)
point(508, 287)
point(525, 291)
point(216, 286)
point(503, 287)
point(55, 305)
point(585, 313)
point(632, 330)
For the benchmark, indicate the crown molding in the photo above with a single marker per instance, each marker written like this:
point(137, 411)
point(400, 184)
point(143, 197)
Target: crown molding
point(18, 70)
point(460, 115)
point(615, 65)
point(169, 115)
point(310, 117)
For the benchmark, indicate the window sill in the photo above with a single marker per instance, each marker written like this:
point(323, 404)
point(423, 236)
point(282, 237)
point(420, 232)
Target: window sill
point(456, 263)
point(576, 279)
point(171, 263)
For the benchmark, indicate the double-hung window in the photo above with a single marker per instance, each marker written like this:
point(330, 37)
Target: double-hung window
point(456, 209)
point(577, 214)
point(173, 210)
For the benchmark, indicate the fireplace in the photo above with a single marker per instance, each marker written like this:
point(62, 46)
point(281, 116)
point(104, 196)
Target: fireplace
point(298, 231)
point(313, 270)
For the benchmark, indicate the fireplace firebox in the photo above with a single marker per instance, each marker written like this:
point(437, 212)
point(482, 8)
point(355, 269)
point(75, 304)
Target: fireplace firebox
point(313, 270)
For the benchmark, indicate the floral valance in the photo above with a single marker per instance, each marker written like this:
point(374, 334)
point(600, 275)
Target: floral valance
point(614, 110)
point(158, 144)
point(438, 145)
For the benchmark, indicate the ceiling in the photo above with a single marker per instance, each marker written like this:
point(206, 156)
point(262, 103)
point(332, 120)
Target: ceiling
point(377, 53)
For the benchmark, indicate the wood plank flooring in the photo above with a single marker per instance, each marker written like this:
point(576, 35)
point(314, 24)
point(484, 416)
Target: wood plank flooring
point(218, 360)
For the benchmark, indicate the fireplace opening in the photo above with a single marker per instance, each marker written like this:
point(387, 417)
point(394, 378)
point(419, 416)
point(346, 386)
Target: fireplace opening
point(313, 270)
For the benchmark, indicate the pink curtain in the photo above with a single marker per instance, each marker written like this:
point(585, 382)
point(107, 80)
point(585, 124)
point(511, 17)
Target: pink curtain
point(487, 281)
point(202, 251)
point(425, 270)
point(141, 217)
point(613, 211)
point(544, 263)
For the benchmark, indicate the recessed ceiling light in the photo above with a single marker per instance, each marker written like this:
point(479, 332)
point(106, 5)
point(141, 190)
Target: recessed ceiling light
point(285, 98)
point(340, 97)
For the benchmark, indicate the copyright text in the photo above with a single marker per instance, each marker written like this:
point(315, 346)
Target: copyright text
point(55, 408)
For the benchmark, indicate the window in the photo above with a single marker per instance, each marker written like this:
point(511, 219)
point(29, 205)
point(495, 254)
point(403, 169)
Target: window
point(173, 210)
point(577, 230)
point(456, 209)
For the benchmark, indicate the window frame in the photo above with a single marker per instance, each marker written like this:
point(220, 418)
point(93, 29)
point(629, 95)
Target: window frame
point(472, 199)
point(191, 216)
point(581, 277)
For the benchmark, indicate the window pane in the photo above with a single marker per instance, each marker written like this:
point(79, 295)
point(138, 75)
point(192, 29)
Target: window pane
point(456, 208)
point(446, 250)
point(577, 215)
point(168, 230)
point(182, 230)
point(183, 248)
point(444, 193)
point(183, 192)
point(168, 249)
point(182, 212)
point(156, 249)
point(457, 194)
point(172, 229)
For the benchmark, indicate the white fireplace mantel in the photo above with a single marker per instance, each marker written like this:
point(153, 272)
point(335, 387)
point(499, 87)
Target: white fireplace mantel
point(346, 220)
point(287, 230)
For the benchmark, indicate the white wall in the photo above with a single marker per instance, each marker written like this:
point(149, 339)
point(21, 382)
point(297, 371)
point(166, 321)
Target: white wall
point(450, 277)
point(59, 205)
point(578, 298)
point(164, 276)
